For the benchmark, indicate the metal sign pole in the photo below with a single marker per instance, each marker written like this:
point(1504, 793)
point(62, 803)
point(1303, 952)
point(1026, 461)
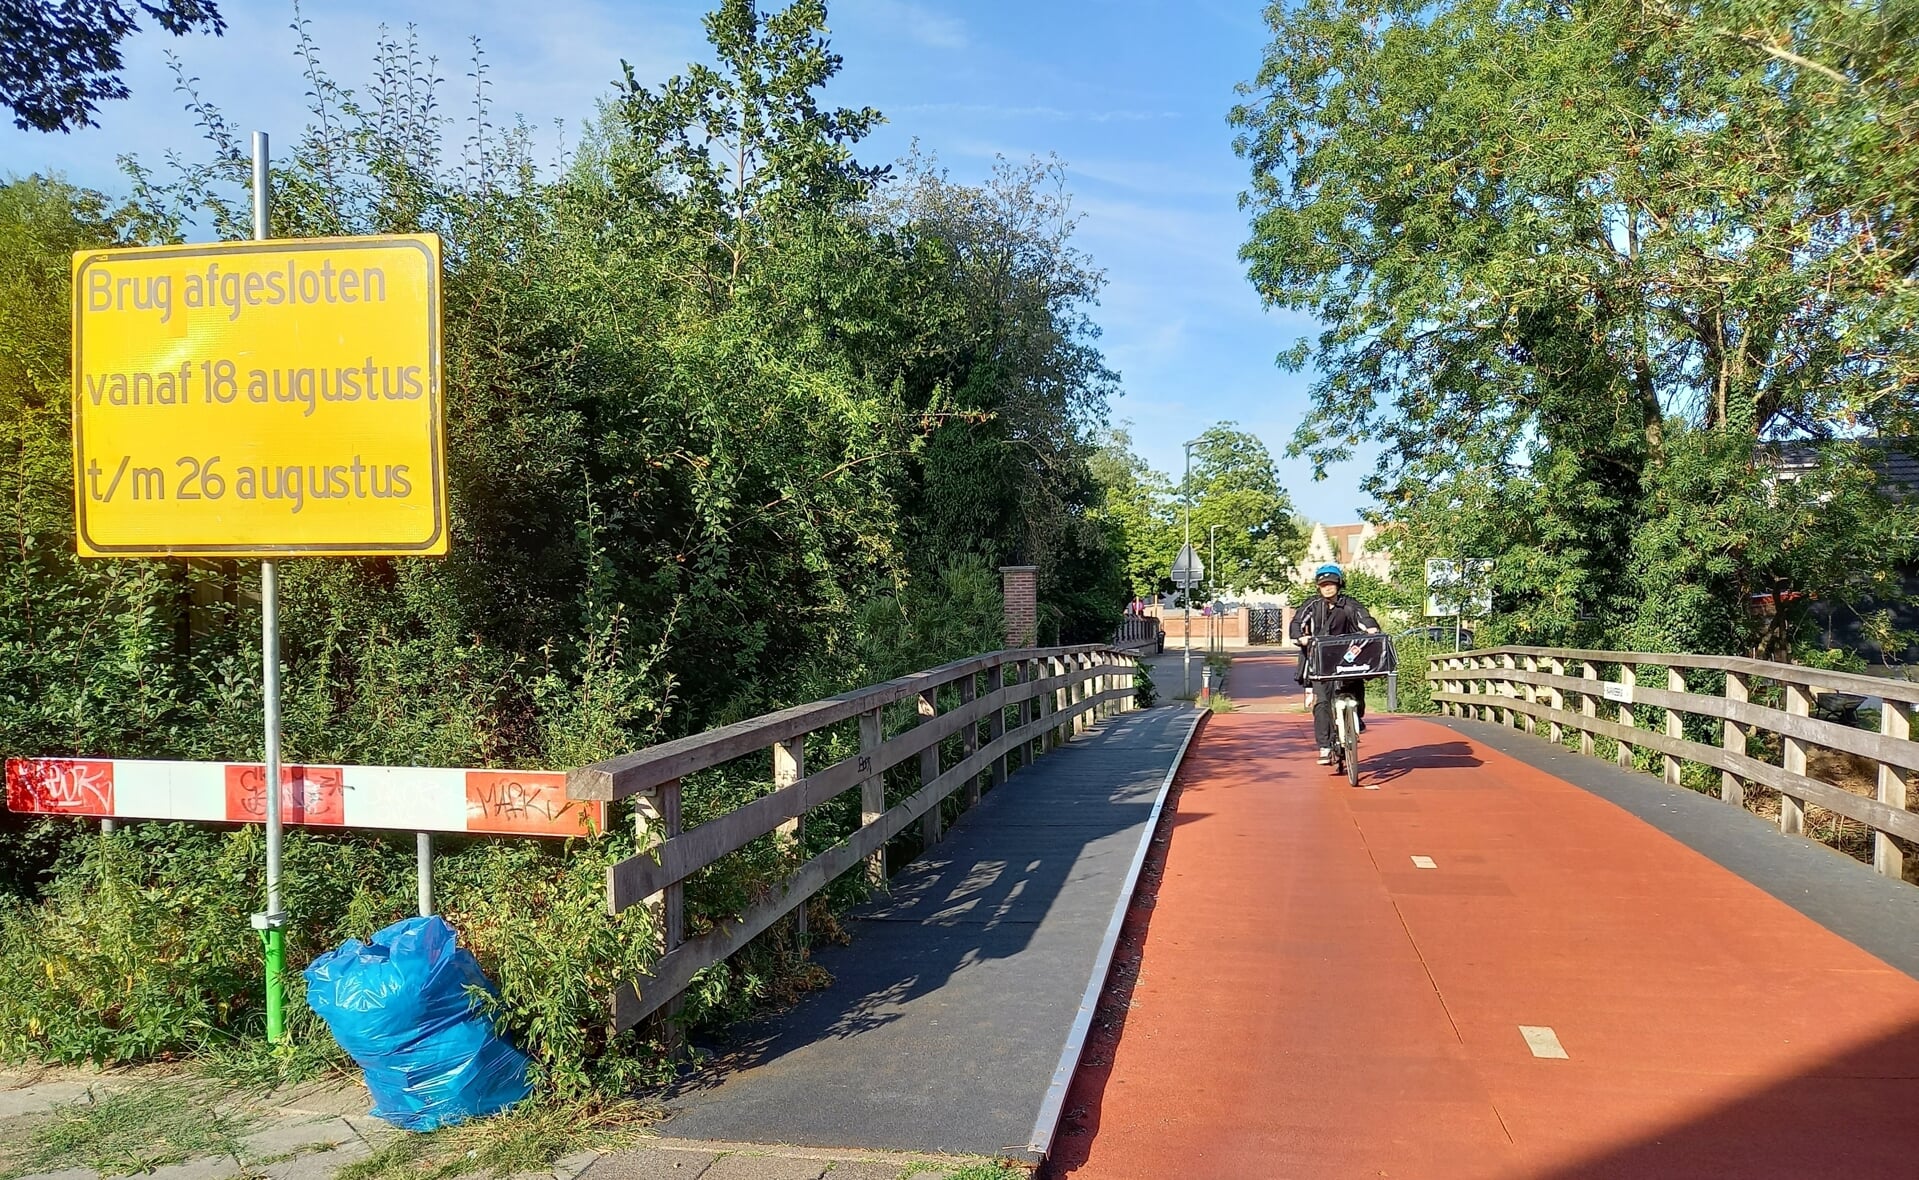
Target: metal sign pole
point(423, 849)
point(271, 924)
point(1186, 587)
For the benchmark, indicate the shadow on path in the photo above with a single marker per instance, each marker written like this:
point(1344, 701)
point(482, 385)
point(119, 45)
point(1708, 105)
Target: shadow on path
point(949, 1010)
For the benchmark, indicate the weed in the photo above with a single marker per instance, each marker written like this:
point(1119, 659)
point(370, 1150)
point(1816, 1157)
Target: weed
point(1145, 692)
point(1221, 703)
point(120, 1134)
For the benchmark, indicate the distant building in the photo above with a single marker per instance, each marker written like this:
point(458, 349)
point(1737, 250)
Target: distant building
point(1353, 547)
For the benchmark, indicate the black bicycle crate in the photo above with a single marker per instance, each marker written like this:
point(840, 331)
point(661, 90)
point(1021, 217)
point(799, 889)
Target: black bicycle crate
point(1352, 657)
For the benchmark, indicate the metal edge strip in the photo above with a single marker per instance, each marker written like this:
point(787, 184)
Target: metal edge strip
point(1041, 1141)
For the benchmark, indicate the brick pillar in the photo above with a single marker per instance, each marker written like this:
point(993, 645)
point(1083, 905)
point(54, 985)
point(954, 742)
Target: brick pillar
point(1020, 585)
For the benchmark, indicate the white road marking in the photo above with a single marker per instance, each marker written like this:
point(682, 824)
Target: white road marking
point(1543, 1041)
point(1424, 862)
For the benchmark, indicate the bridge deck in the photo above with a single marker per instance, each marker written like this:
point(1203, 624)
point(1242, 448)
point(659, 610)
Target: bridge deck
point(1310, 1002)
point(945, 1024)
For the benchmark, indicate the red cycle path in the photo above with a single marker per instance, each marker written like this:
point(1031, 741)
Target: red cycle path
point(1310, 1004)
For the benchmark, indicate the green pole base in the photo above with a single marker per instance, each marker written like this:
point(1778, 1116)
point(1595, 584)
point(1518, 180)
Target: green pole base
point(276, 948)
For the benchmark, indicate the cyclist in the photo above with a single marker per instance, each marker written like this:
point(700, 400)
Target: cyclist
point(1334, 612)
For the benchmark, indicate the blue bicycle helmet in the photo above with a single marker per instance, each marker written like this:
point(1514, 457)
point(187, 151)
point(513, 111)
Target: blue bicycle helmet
point(1329, 573)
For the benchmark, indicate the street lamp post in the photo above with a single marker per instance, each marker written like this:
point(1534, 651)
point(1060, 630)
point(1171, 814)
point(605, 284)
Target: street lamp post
point(1212, 575)
point(1186, 660)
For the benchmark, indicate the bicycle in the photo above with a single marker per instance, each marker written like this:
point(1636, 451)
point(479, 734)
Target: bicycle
point(1343, 659)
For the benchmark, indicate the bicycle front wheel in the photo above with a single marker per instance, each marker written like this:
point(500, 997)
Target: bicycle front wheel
point(1349, 738)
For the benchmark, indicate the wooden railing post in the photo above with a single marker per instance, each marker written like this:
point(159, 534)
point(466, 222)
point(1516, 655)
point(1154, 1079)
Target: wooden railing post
point(1675, 722)
point(1895, 721)
point(969, 736)
point(656, 819)
point(1032, 711)
point(1062, 701)
point(1487, 687)
point(872, 790)
point(1076, 696)
point(1558, 696)
point(1589, 707)
point(930, 767)
point(1629, 679)
point(996, 724)
point(789, 767)
point(1531, 720)
point(1048, 705)
point(1732, 788)
point(1792, 811)
point(1506, 689)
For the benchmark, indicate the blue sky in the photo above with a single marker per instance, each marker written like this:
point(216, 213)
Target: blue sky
point(1132, 95)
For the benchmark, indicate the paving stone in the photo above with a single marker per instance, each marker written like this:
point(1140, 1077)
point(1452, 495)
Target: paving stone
point(874, 1170)
point(319, 1165)
point(300, 1131)
point(335, 1096)
point(651, 1163)
point(34, 1097)
point(65, 1174)
point(572, 1166)
point(764, 1167)
point(378, 1132)
point(205, 1168)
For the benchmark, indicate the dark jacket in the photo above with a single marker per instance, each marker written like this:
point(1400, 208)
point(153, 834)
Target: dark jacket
point(1340, 615)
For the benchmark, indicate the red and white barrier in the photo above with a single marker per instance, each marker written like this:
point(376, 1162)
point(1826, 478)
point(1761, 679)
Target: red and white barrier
point(398, 798)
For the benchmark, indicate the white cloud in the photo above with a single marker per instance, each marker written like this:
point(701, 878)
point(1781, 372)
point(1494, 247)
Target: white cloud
point(915, 22)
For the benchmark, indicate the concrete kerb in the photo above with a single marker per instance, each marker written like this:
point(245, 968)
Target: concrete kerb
point(695, 1159)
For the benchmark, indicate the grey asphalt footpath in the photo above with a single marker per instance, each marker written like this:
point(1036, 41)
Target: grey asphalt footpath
point(1875, 913)
point(949, 1011)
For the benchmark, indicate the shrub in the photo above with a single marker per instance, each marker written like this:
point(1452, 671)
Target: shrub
point(142, 948)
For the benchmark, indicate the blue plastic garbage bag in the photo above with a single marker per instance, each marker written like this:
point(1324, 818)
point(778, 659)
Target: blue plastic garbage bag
point(400, 1007)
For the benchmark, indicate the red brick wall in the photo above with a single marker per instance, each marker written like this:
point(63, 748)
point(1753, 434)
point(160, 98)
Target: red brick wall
point(1020, 585)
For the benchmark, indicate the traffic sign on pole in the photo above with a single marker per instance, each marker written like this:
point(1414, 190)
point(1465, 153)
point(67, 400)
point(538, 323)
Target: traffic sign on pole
point(1188, 569)
point(270, 399)
point(259, 399)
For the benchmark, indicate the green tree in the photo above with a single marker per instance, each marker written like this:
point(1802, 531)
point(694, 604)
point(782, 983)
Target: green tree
point(1137, 508)
point(1004, 363)
point(1244, 526)
point(58, 61)
point(1563, 249)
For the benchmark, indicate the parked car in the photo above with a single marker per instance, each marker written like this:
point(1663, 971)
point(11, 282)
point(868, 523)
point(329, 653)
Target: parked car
point(1439, 633)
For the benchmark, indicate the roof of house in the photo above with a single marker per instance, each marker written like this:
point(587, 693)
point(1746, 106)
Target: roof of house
point(1896, 465)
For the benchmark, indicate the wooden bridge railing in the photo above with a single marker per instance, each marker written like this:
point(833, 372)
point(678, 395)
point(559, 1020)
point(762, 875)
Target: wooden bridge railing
point(1531, 687)
point(1031, 700)
point(1136, 631)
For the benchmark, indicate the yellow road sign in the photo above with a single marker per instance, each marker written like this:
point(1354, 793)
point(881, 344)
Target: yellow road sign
point(259, 399)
